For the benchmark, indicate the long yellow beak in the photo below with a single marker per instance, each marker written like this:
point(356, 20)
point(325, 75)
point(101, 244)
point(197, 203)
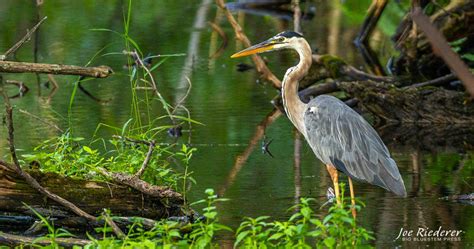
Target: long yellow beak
point(259, 48)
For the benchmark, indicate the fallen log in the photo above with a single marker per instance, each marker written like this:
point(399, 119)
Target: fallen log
point(90, 196)
point(425, 105)
point(28, 67)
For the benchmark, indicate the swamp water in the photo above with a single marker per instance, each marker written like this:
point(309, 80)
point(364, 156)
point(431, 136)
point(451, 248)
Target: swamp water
point(434, 162)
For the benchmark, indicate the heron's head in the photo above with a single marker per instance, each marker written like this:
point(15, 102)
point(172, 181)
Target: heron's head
point(286, 39)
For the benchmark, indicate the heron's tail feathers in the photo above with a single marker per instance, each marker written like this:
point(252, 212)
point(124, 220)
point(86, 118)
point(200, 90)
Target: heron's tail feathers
point(391, 179)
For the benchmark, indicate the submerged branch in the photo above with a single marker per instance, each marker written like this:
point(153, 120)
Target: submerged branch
point(224, 43)
point(240, 35)
point(50, 124)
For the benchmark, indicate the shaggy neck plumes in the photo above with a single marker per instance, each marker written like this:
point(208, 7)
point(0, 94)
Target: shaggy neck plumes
point(292, 103)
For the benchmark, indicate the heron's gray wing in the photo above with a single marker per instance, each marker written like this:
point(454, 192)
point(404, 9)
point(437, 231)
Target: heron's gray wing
point(340, 136)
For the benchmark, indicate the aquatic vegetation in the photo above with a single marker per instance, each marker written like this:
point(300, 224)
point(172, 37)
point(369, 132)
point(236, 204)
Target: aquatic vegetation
point(303, 230)
point(338, 229)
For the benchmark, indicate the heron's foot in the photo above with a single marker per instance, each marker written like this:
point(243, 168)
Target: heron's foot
point(331, 197)
point(330, 194)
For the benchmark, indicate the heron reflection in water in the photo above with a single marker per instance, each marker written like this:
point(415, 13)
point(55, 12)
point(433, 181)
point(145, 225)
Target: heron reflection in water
point(342, 139)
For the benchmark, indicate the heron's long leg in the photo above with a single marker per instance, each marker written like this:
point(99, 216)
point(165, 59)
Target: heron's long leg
point(351, 188)
point(333, 173)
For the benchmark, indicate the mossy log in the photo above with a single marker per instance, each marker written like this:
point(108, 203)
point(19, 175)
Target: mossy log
point(427, 105)
point(90, 196)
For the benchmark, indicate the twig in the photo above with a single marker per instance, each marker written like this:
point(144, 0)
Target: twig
point(28, 178)
point(180, 102)
point(12, 239)
point(442, 48)
point(21, 87)
point(151, 146)
point(434, 82)
point(29, 67)
point(147, 160)
point(295, 4)
point(41, 120)
point(240, 35)
point(139, 62)
point(112, 224)
point(25, 38)
point(224, 43)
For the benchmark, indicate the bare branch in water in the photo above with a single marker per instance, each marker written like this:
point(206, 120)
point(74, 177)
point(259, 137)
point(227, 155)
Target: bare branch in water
point(240, 35)
point(29, 67)
point(224, 43)
point(23, 40)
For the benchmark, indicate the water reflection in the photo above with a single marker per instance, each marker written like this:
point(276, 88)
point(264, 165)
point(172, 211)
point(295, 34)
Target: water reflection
point(434, 161)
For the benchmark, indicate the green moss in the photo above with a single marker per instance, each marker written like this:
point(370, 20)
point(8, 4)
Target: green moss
point(333, 64)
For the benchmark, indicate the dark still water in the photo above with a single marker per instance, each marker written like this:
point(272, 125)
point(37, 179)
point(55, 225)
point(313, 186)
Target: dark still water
point(235, 106)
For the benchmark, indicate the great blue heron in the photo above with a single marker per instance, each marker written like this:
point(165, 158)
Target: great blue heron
point(338, 135)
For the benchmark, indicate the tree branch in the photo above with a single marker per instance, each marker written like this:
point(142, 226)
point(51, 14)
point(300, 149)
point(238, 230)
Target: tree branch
point(295, 5)
point(442, 48)
point(29, 67)
point(240, 35)
point(147, 160)
point(25, 38)
point(435, 82)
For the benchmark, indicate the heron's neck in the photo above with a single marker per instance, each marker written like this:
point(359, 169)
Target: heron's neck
point(292, 103)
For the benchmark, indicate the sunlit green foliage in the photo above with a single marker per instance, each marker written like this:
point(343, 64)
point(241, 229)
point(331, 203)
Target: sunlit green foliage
point(302, 230)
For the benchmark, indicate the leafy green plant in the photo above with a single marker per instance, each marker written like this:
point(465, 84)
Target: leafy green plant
point(186, 153)
point(53, 233)
point(304, 230)
point(64, 155)
point(457, 46)
point(253, 233)
point(204, 231)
